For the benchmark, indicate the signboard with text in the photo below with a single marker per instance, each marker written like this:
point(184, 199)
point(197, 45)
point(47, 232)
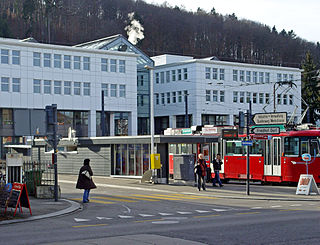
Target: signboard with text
point(306, 184)
point(229, 133)
point(270, 118)
point(266, 130)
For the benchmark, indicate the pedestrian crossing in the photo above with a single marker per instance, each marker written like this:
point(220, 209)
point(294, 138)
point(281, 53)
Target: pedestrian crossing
point(134, 198)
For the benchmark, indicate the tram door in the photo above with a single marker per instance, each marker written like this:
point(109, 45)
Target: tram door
point(272, 164)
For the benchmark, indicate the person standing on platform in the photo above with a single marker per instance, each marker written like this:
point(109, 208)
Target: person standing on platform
point(217, 167)
point(200, 170)
point(85, 180)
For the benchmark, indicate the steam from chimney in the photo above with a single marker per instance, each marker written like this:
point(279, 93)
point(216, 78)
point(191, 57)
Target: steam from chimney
point(134, 30)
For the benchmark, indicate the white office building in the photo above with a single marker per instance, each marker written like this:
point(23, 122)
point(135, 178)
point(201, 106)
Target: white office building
point(217, 90)
point(34, 75)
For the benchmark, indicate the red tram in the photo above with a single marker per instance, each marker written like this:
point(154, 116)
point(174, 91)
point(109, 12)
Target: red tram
point(274, 160)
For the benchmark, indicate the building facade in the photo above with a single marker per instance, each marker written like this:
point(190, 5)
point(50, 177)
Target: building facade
point(34, 75)
point(217, 90)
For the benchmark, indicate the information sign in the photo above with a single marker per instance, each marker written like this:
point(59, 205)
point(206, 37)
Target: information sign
point(306, 185)
point(229, 133)
point(260, 137)
point(266, 130)
point(270, 118)
point(247, 143)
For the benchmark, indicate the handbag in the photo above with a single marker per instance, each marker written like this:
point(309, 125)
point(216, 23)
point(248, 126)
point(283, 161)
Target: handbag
point(87, 174)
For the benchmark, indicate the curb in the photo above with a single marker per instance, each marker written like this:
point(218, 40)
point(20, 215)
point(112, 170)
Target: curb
point(74, 206)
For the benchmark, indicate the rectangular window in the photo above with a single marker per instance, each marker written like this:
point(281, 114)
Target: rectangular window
point(86, 63)
point(157, 99)
point(57, 60)
point(267, 98)
point(57, 87)
point(46, 60)
point(179, 75)
point(241, 76)
point(67, 87)
point(105, 89)
point(255, 77)
point(279, 99)
point(221, 74)
point(279, 77)
point(221, 96)
point(47, 87)
point(285, 77)
point(67, 61)
point(235, 97)
point(5, 84)
point(248, 97)
point(113, 90)
point(267, 75)
point(122, 91)
point(122, 66)
point(261, 78)
point(215, 73)
point(86, 89)
point(77, 62)
point(235, 75)
point(208, 95)
point(208, 72)
point(173, 75)
point(185, 73)
point(254, 98)
point(167, 76)
point(162, 77)
point(241, 97)
point(168, 98)
point(179, 96)
point(77, 88)
point(290, 99)
point(36, 86)
point(291, 146)
point(291, 77)
point(157, 77)
point(15, 57)
point(113, 65)
point(36, 59)
point(261, 98)
point(285, 99)
point(174, 97)
point(4, 56)
point(214, 95)
point(162, 98)
point(16, 85)
point(104, 64)
point(248, 76)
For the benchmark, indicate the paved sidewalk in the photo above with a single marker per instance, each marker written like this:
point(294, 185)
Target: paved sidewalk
point(235, 191)
point(41, 209)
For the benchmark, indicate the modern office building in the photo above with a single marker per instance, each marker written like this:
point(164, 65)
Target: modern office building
point(34, 75)
point(217, 90)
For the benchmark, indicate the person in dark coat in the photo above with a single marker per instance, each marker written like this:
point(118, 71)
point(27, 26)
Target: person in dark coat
point(200, 170)
point(85, 180)
point(217, 167)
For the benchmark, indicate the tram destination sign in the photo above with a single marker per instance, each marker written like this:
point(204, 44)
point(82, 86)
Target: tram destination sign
point(270, 118)
point(266, 130)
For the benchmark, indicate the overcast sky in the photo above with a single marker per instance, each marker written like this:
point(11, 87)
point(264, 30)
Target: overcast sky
point(301, 16)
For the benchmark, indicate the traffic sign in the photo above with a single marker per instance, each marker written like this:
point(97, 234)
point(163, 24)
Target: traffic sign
point(247, 143)
point(270, 118)
point(266, 130)
point(260, 137)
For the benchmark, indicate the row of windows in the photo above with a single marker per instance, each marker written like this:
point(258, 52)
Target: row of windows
point(215, 95)
point(251, 76)
point(214, 73)
point(113, 90)
point(5, 84)
point(170, 97)
point(172, 76)
point(65, 61)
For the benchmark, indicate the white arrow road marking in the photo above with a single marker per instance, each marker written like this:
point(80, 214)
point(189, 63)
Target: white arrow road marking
point(165, 214)
point(146, 215)
point(256, 207)
point(277, 206)
point(165, 222)
point(103, 218)
point(296, 205)
point(202, 211)
point(125, 217)
point(81, 220)
point(219, 210)
point(184, 212)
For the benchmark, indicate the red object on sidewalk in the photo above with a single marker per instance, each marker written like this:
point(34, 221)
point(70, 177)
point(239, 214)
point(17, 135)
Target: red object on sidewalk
point(18, 198)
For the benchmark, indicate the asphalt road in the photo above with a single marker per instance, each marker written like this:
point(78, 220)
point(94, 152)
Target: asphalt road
point(208, 220)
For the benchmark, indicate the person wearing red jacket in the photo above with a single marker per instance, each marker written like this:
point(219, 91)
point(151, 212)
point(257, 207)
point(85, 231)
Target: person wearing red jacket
point(201, 170)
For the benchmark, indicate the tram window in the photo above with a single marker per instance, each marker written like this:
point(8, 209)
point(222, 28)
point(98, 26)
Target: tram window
point(234, 148)
point(304, 147)
point(291, 146)
point(314, 148)
point(257, 147)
